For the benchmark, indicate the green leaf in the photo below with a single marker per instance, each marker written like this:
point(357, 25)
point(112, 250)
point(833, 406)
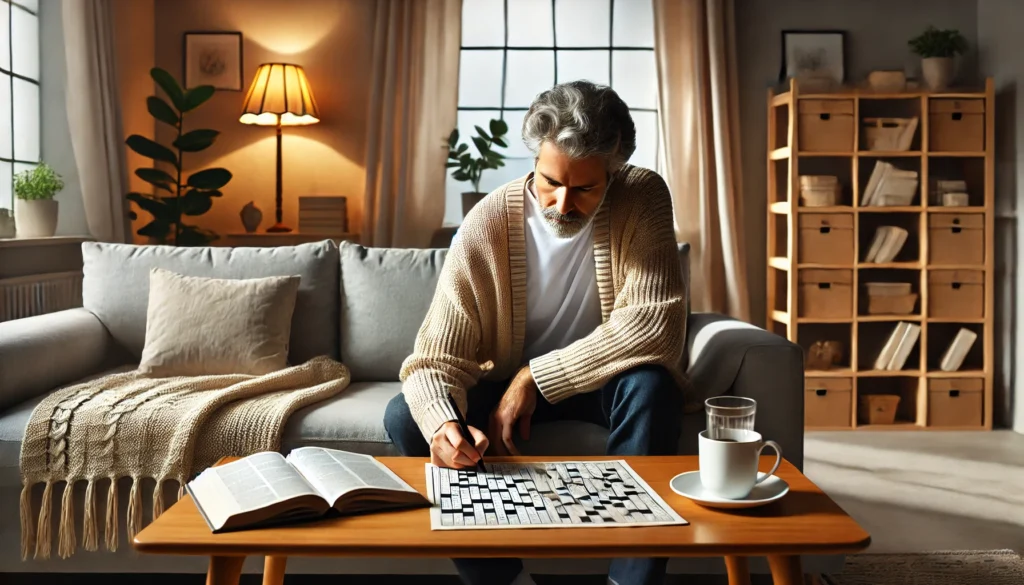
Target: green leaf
point(196, 203)
point(210, 178)
point(453, 138)
point(493, 156)
point(196, 140)
point(160, 110)
point(500, 142)
point(462, 148)
point(193, 236)
point(481, 145)
point(197, 95)
point(155, 229)
point(150, 149)
point(460, 175)
point(158, 209)
point(466, 159)
point(499, 128)
point(156, 177)
point(452, 165)
point(482, 133)
point(170, 87)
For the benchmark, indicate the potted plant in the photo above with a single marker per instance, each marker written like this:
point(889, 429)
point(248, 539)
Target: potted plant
point(937, 49)
point(184, 197)
point(469, 168)
point(35, 211)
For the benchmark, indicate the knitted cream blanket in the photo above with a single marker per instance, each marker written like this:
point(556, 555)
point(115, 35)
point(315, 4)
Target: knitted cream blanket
point(167, 429)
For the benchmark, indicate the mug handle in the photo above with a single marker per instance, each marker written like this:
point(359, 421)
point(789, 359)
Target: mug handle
point(778, 458)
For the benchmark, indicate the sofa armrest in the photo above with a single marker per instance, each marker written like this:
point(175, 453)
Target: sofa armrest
point(40, 353)
point(727, 356)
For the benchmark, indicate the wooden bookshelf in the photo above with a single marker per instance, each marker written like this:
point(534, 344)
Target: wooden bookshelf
point(809, 134)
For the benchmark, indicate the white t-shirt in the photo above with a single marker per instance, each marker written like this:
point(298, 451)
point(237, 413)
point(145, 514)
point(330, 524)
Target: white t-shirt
point(562, 299)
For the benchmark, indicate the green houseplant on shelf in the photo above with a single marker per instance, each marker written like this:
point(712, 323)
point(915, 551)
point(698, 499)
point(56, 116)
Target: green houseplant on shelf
point(937, 48)
point(176, 197)
point(470, 168)
point(35, 210)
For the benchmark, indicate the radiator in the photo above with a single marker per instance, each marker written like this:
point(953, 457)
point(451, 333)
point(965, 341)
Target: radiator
point(37, 294)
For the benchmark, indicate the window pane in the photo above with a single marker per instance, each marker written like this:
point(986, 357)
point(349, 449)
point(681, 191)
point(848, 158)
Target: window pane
point(634, 78)
point(5, 116)
point(26, 120)
point(25, 43)
point(589, 65)
point(633, 23)
point(516, 148)
point(513, 169)
point(529, 24)
point(5, 31)
point(483, 23)
point(582, 23)
point(6, 186)
point(467, 120)
point(529, 73)
point(480, 79)
point(646, 151)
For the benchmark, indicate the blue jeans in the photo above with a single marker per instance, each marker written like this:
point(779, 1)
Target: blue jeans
point(641, 408)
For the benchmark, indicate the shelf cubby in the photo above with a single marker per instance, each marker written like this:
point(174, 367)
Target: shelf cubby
point(909, 411)
point(971, 170)
point(910, 221)
point(941, 335)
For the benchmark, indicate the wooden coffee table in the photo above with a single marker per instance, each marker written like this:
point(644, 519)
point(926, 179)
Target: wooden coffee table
point(805, 521)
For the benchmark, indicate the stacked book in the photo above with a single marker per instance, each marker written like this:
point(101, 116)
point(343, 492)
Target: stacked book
point(897, 348)
point(957, 351)
point(324, 216)
point(886, 244)
point(949, 192)
point(889, 186)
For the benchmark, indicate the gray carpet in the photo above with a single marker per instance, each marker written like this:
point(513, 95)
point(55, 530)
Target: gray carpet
point(995, 567)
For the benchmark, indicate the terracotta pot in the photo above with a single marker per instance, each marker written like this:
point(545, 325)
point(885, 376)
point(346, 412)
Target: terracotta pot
point(937, 72)
point(35, 219)
point(469, 200)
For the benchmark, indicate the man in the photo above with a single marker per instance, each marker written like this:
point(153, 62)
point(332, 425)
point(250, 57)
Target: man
point(560, 298)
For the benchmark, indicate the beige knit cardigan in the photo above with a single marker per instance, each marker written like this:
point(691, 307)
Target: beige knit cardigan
point(476, 323)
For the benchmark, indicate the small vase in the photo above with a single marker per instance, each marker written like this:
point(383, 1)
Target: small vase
point(36, 218)
point(6, 224)
point(937, 72)
point(251, 217)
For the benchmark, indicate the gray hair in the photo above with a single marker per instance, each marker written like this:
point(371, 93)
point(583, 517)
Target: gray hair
point(582, 119)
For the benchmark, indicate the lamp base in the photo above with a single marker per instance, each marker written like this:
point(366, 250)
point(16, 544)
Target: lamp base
point(278, 228)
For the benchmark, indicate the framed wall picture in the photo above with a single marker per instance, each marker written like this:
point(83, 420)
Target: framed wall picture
point(816, 56)
point(213, 58)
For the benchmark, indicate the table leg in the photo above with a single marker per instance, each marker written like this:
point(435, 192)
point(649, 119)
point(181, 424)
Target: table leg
point(273, 570)
point(786, 569)
point(224, 570)
point(738, 569)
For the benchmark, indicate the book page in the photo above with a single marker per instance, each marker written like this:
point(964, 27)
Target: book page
point(334, 473)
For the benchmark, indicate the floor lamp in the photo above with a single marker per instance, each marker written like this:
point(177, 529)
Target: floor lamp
point(279, 96)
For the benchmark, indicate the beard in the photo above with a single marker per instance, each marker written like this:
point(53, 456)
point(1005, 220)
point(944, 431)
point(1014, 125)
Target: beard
point(564, 226)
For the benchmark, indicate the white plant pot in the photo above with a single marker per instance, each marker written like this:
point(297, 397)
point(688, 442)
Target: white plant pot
point(35, 219)
point(937, 72)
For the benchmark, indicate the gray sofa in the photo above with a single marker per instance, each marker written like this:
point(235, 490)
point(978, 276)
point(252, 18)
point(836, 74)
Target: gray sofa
point(362, 306)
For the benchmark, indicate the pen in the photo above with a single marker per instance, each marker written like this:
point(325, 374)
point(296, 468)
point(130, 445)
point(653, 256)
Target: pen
point(465, 432)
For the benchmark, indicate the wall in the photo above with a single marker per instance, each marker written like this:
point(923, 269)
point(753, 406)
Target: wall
point(332, 40)
point(1001, 46)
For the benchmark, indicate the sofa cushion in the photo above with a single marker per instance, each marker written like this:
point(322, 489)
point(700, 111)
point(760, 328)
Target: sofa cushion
point(116, 286)
point(385, 294)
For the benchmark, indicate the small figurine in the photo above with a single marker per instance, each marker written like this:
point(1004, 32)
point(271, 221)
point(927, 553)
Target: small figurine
point(251, 217)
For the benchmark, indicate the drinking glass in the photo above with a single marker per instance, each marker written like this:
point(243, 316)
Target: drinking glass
point(729, 412)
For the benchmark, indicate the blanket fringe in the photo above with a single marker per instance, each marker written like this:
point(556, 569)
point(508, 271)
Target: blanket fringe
point(110, 526)
point(28, 527)
point(158, 499)
point(43, 535)
point(135, 508)
point(67, 541)
point(90, 522)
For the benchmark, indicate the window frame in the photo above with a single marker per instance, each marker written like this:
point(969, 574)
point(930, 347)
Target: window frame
point(14, 160)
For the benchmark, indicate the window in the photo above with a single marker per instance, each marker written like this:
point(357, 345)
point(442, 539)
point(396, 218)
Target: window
point(19, 92)
point(514, 49)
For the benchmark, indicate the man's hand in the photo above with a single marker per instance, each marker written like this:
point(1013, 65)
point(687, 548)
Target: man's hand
point(517, 404)
point(449, 449)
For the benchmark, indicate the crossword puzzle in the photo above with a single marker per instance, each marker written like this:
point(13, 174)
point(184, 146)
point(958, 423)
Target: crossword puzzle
point(550, 494)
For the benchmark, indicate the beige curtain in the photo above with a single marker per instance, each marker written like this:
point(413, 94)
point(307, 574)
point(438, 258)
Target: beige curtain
point(94, 117)
point(695, 48)
point(413, 101)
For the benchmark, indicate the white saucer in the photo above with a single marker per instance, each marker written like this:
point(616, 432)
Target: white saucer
point(688, 485)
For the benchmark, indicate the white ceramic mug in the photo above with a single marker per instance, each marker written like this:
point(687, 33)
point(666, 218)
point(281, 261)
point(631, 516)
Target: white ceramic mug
point(728, 465)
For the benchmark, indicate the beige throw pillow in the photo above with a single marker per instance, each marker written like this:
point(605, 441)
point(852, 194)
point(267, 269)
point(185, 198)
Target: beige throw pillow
point(207, 326)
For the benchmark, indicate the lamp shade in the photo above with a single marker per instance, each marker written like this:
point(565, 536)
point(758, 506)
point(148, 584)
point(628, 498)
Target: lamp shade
point(279, 91)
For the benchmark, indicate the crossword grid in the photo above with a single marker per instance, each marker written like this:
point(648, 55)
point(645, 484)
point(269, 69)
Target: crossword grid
point(510, 495)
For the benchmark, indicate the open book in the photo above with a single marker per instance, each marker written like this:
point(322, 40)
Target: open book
point(269, 488)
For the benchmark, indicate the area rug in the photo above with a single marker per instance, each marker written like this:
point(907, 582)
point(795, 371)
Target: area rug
point(992, 567)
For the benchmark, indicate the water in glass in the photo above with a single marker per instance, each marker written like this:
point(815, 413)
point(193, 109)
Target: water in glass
point(729, 412)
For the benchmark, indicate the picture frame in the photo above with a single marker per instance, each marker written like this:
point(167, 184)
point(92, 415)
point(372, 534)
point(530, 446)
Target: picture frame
point(818, 56)
point(212, 58)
